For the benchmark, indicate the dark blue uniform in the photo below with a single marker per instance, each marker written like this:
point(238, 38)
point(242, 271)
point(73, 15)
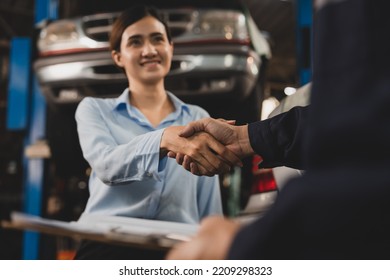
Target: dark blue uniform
point(340, 208)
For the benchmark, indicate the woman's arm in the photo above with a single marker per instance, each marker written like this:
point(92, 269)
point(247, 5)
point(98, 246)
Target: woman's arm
point(115, 163)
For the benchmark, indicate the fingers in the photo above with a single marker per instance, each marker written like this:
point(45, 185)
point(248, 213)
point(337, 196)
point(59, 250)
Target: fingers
point(171, 154)
point(186, 162)
point(191, 250)
point(199, 150)
point(201, 153)
point(190, 129)
point(211, 163)
point(212, 241)
point(220, 157)
point(195, 148)
point(193, 127)
point(231, 122)
point(180, 158)
point(194, 169)
point(199, 170)
point(190, 165)
point(225, 154)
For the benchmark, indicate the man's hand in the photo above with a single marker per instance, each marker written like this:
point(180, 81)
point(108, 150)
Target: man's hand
point(211, 243)
point(234, 138)
point(222, 130)
point(210, 156)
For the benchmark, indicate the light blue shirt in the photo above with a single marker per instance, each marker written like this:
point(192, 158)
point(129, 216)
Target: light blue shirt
point(128, 178)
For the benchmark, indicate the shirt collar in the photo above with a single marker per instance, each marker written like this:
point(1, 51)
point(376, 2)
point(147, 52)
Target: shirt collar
point(180, 107)
point(122, 99)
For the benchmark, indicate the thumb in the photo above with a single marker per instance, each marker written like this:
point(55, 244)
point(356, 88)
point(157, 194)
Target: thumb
point(231, 122)
point(192, 128)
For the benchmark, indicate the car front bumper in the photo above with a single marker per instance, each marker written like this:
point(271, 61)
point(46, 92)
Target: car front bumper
point(232, 74)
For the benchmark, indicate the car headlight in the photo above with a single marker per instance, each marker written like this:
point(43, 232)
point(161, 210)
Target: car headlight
point(226, 25)
point(57, 33)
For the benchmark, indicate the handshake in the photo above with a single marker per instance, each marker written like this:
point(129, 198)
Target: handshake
point(207, 146)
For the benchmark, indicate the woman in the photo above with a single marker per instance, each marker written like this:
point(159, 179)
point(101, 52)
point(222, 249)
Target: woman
point(125, 139)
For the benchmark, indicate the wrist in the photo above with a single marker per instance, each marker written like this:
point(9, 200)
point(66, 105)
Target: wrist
point(243, 140)
point(164, 143)
point(169, 139)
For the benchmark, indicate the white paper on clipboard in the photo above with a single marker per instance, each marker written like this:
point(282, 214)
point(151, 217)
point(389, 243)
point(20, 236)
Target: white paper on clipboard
point(109, 229)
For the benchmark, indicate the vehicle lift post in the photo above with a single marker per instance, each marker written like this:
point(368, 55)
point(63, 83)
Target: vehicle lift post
point(26, 110)
point(304, 19)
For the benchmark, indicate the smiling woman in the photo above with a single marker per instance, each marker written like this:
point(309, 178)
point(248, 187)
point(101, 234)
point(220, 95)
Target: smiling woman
point(207, 69)
point(124, 139)
point(145, 52)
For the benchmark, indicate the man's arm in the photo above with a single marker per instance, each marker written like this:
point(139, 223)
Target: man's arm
point(278, 140)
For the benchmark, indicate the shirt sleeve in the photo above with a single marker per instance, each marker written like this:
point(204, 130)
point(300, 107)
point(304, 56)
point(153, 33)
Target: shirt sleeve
point(279, 140)
point(116, 163)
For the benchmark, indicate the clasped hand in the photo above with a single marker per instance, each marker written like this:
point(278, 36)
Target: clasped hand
point(207, 146)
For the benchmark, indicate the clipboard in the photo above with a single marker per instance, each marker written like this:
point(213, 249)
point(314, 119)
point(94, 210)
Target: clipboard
point(152, 234)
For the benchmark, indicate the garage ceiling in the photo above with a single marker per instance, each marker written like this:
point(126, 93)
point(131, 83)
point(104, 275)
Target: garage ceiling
point(16, 18)
point(274, 16)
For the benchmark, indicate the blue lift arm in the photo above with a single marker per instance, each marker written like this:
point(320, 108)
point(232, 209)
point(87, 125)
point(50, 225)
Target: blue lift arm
point(304, 17)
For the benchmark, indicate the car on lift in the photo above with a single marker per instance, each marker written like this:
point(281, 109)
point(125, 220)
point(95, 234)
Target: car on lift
point(219, 61)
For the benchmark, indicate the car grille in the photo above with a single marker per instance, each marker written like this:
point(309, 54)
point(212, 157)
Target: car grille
point(98, 27)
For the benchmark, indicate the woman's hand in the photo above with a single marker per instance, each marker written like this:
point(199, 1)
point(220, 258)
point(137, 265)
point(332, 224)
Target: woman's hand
point(234, 138)
point(210, 156)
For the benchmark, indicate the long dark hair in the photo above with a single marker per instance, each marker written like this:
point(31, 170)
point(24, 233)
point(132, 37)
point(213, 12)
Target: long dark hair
point(130, 16)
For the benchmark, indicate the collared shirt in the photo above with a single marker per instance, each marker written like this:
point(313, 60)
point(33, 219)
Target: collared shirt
point(128, 177)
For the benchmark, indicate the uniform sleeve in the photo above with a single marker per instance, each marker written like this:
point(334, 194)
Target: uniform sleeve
point(279, 140)
point(279, 233)
point(116, 163)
